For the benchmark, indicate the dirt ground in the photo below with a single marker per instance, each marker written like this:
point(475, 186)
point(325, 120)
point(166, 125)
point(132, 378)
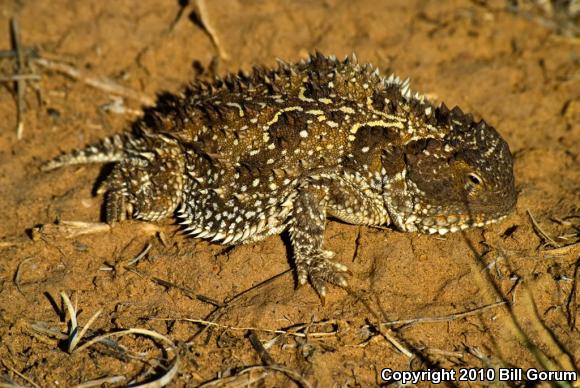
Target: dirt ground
point(503, 296)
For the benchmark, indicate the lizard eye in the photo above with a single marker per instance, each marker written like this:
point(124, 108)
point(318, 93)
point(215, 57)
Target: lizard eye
point(474, 179)
point(473, 183)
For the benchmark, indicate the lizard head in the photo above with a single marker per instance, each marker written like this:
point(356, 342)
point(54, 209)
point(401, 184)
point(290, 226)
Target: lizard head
point(461, 177)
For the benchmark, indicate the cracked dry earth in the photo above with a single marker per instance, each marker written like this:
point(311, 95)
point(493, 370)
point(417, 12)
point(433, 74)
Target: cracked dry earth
point(517, 72)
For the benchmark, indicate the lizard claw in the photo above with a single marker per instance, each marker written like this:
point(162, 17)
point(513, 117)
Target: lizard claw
point(319, 270)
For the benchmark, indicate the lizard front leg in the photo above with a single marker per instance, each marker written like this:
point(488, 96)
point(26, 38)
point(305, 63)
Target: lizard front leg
point(306, 226)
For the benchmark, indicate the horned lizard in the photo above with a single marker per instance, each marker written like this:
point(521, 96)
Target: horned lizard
point(252, 155)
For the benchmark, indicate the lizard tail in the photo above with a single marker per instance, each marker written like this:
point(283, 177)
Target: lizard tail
point(111, 149)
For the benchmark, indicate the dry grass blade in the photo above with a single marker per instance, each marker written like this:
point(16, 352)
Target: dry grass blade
point(490, 289)
point(564, 361)
point(217, 313)
point(567, 249)
point(49, 332)
point(27, 379)
point(387, 334)
point(444, 318)
point(550, 14)
point(571, 304)
point(104, 84)
point(231, 381)
point(72, 332)
point(28, 52)
point(548, 240)
point(19, 272)
point(274, 331)
point(489, 361)
point(141, 255)
point(8, 244)
point(101, 382)
point(159, 382)
point(445, 353)
point(75, 341)
point(20, 77)
point(12, 385)
point(165, 283)
point(74, 336)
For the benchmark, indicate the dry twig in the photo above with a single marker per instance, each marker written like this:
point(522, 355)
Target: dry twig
point(209, 29)
point(73, 229)
point(68, 229)
point(20, 83)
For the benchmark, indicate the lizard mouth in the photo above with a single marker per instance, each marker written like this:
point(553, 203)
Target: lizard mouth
point(443, 224)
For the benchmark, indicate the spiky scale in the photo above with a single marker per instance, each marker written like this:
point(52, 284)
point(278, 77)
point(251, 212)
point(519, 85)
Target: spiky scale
point(249, 156)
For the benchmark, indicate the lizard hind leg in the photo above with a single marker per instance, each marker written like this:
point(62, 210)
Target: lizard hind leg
point(306, 227)
point(147, 185)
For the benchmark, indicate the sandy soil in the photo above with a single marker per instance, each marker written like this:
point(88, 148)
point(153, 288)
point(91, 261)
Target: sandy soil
point(518, 74)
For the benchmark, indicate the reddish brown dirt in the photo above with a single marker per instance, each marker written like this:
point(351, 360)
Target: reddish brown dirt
point(521, 77)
